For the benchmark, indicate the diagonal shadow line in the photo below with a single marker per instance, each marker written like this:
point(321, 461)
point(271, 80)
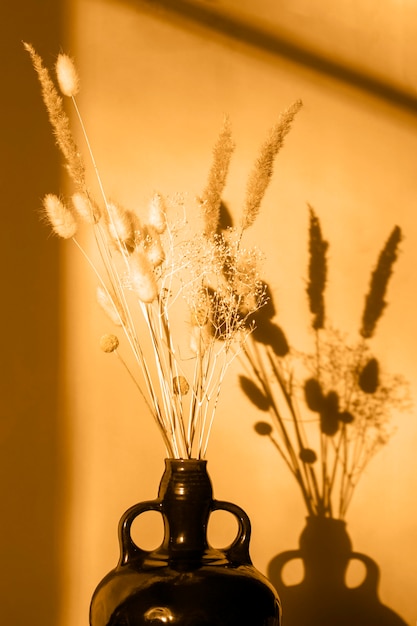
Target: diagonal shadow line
point(256, 35)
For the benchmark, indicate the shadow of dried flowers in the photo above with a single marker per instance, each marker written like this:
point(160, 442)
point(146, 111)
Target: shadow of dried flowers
point(330, 409)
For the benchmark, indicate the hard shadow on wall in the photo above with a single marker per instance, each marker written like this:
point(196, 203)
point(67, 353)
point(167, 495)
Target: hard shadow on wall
point(326, 443)
point(322, 598)
point(213, 20)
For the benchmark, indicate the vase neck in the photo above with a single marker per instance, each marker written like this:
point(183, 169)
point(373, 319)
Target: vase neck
point(326, 549)
point(186, 495)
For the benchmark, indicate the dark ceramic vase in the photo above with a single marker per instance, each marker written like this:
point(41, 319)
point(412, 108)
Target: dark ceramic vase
point(185, 582)
point(322, 598)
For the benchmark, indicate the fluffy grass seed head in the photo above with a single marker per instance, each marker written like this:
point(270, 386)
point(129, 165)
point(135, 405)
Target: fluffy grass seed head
point(142, 279)
point(59, 120)
point(211, 197)
point(86, 209)
point(262, 170)
point(67, 75)
point(60, 216)
point(122, 226)
point(157, 213)
point(152, 246)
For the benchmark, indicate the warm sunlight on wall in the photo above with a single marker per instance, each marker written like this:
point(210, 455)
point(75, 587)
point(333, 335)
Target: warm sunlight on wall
point(154, 93)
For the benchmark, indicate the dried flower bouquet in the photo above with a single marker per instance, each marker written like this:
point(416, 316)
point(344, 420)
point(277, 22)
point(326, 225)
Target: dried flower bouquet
point(330, 408)
point(182, 298)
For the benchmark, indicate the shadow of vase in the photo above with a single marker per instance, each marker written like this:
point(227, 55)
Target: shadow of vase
point(322, 598)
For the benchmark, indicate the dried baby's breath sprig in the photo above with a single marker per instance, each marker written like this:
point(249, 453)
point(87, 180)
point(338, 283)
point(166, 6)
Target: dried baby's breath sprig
point(60, 216)
point(59, 120)
point(212, 195)
point(67, 75)
point(317, 271)
point(261, 174)
point(374, 301)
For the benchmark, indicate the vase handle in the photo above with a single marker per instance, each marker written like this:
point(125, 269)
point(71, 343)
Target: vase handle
point(369, 585)
point(276, 566)
point(238, 551)
point(128, 549)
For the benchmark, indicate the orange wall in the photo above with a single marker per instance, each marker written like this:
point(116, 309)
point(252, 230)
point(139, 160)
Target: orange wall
point(154, 92)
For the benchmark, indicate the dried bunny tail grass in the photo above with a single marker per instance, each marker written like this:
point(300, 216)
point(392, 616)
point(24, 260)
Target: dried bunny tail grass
point(262, 171)
point(108, 304)
point(59, 120)
point(141, 277)
point(67, 75)
point(157, 214)
point(211, 197)
point(122, 226)
point(60, 216)
point(152, 245)
point(86, 208)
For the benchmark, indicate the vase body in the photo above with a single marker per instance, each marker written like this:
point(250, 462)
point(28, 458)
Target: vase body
point(322, 598)
point(185, 582)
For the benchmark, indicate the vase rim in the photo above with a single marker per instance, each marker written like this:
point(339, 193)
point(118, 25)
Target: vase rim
point(185, 462)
